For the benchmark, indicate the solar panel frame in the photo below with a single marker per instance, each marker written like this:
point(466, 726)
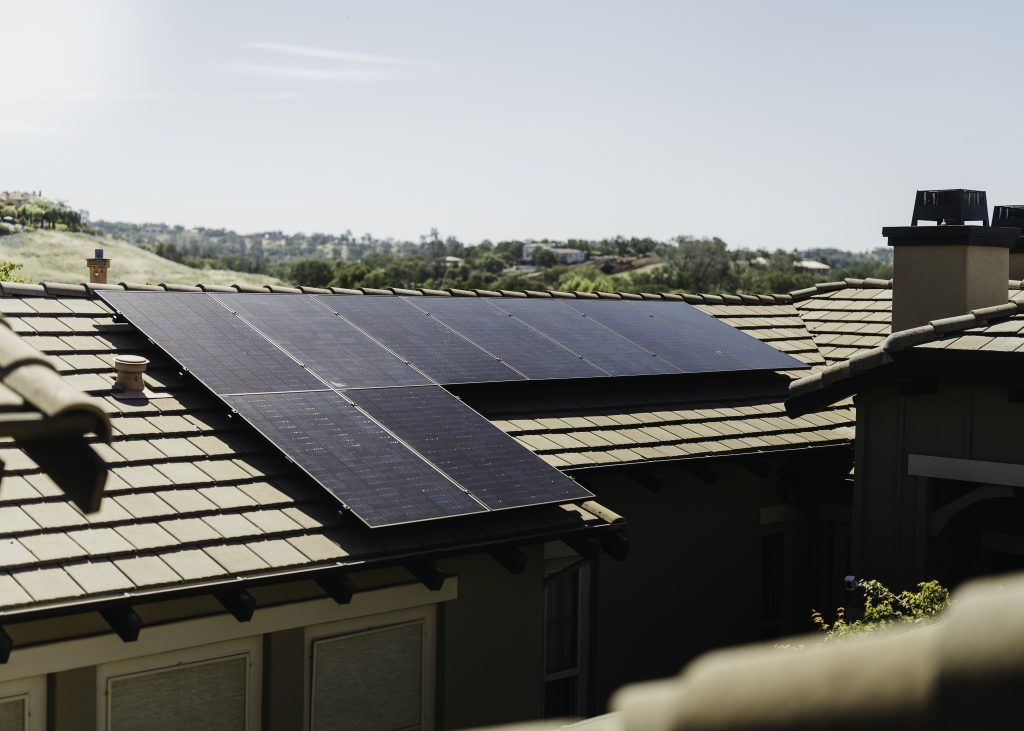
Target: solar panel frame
point(332, 348)
point(219, 349)
point(517, 344)
point(494, 467)
point(436, 350)
point(604, 348)
point(362, 464)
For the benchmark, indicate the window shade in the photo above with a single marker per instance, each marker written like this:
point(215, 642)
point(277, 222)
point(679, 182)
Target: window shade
point(370, 681)
point(205, 696)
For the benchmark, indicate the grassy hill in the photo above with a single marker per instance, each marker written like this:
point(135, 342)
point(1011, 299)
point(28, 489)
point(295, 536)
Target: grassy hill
point(59, 256)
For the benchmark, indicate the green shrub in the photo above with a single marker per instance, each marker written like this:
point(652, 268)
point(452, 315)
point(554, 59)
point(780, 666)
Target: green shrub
point(883, 608)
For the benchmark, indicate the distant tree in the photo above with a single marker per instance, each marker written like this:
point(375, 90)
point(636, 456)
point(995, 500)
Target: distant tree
point(11, 272)
point(699, 265)
point(311, 273)
point(543, 258)
point(587, 279)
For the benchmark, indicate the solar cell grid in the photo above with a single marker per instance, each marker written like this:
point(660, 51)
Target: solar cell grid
point(598, 345)
point(327, 345)
point(682, 349)
point(215, 346)
point(365, 467)
point(749, 350)
point(521, 347)
point(423, 341)
point(499, 471)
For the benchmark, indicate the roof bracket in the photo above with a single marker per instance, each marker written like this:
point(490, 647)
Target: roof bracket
point(428, 573)
point(240, 603)
point(702, 472)
point(615, 544)
point(6, 645)
point(511, 558)
point(124, 621)
point(758, 468)
point(585, 546)
point(337, 586)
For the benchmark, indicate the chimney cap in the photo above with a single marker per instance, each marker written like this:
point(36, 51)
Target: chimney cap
point(998, 236)
point(952, 207)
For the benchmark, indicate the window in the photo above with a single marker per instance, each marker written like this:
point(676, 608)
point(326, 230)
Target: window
point(22, 705)
point(373, 678)
point(564, 643)
point(371, 681)
point(201, 689)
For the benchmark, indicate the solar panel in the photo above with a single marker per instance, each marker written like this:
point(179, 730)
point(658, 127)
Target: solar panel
point(523, 348)
point(430, 346)
point(360, 463)
point(745, 348)
point(598, 345)
point(499, 471)
point(683, 349)
point(215, 346)
point(330, 347)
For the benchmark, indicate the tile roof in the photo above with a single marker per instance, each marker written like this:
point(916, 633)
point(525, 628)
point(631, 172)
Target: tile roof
point(192, 496)
point(48, 418)
point(996, 331)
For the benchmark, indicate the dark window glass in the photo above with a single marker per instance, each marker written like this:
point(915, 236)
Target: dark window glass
point(560, 698)
point(561, 599)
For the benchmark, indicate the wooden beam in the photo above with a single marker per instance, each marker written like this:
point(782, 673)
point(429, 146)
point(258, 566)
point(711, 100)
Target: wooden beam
point(240, 603)
point(511, 558)
point(124, 621)
point(428, 573)
point(586, 547)
point(6, 645)
point(338, 587)
point(615, 545)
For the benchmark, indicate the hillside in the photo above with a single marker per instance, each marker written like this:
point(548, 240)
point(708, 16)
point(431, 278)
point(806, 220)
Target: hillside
point(59, 256)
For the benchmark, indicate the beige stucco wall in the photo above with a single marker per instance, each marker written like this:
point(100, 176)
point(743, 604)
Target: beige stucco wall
point(491, 644)
point(932, 282)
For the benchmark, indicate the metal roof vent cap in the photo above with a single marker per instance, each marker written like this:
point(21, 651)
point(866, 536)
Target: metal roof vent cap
point(129, 370)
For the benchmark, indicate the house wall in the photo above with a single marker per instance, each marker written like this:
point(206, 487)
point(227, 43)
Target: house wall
point(692, 581)
point(962, 419)
point(485, 633)
point(491, 653)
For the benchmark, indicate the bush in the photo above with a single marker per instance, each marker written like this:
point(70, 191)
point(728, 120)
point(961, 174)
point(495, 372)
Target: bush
point(883, 608)
point(9, 272)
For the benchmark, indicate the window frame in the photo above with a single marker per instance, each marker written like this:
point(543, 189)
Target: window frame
point(248, 647)
point(33, 689)
point(425, 615)
point(582, 570)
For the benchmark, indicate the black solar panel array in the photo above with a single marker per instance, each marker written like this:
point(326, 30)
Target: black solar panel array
point(349, 387)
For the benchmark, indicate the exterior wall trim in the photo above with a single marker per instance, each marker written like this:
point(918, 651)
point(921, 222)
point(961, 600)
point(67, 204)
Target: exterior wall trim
point(966, 470)
point(174, 636)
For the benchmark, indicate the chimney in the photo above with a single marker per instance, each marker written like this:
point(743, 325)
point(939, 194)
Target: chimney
point(1013, 217)
point(129, 370)
point(950, 268)
point(98, 267)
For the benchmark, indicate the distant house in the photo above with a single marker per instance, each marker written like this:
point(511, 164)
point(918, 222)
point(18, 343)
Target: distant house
point(564, 256)
point(814, 267)
point(453, 262)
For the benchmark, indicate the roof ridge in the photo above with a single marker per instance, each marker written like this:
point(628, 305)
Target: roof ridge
point(89, 290)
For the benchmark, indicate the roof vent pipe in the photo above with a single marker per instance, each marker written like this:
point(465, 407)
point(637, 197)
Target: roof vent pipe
point(951, 268)
point(1012, 216)
point(129, 370)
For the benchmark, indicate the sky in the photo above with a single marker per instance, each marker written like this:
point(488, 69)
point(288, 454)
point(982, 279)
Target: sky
point(784, 124)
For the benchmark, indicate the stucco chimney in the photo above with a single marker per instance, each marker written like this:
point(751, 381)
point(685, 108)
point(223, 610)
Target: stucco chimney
point(1012, 216)
point(98, 267)
point(950, 268)
point(129, 370)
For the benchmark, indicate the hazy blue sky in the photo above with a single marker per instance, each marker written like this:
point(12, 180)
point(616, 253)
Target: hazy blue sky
point(787, 124)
